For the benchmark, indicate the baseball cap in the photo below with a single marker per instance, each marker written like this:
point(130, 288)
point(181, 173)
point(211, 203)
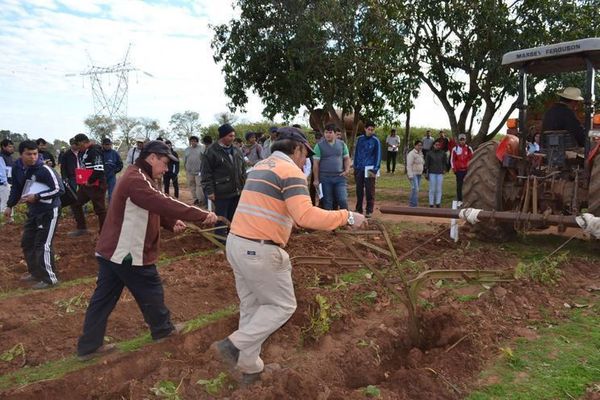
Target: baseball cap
point(158, 147)
point(296, 134)
point(106, 141)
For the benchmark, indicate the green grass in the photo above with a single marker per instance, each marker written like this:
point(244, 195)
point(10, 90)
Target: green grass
point(532, 247)
point(561, 364)
point(396, 188)
point(58, 368)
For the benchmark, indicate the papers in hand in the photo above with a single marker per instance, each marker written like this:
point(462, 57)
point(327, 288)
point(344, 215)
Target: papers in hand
point(9, 172)
point(320, 191)
point(369, 172)
point(33, 187)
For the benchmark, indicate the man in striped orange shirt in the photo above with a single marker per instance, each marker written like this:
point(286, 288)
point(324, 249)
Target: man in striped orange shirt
point(275, 197)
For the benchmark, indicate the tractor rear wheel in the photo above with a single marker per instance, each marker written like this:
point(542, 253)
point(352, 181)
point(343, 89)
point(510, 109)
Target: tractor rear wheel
point(594, 189)
point(483, 189)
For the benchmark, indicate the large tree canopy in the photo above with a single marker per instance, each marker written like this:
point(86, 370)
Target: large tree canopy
point(315, 53)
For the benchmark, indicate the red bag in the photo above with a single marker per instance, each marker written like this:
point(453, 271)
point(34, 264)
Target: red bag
point(82, 175)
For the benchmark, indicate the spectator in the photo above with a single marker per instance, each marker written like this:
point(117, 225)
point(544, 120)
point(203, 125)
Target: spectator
point(445, 141)
point(338, 133)
point(534, 147)
point(331, 166)
point(91, 181)
point(267, 144)
point(7, 150)
point(112, 165)
point(172, 173)
point(192, 162)
point(393, 142)
point(44, 154)
point(414, 170)
point(224, 174)
point(36, 184)
point(135, 151)
point(128, 248)
point(252, 150)
point(255, 252)
point(239, 143)
point(459, 160)
point(436, 166)
point(70, 163)
point(367, 160)
point(427, 143)
point(207, 141)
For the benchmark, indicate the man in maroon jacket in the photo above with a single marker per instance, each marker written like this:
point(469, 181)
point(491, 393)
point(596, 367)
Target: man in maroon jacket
point(127, 248)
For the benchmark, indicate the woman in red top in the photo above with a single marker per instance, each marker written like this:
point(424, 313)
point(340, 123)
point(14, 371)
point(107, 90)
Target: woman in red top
point(460, 156)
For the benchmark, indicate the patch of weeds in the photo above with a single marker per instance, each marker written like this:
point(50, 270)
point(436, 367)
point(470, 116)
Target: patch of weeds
point(513, 361)
point(166, 390)
point(215, 385)
point(365, 298)
point(371, 391)
point(414, 267)
point(425, 304)
point(16, 351)
point(546, 271)
point(467, 297)
point(321, 318)
point(71, 305)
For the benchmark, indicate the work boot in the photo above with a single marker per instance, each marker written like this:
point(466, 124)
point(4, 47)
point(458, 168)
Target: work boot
point(249, 379)
point(178, 330)
point(100, 351)
point(225, 351)
point(78, 232)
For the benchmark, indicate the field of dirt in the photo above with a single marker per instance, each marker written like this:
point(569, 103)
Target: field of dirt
point(366, 344)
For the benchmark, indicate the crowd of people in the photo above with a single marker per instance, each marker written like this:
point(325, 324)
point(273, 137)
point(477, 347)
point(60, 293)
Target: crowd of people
point(262, 185)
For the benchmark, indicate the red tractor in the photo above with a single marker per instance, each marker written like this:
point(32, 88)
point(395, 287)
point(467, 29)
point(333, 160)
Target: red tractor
point(562, 178)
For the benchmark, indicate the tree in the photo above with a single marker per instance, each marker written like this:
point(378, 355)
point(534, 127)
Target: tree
point(332, 55)
point(460, 45)
point(126, 125)
point(225, 118)
point(100, 126)
point(148, 127)
point(186, 124)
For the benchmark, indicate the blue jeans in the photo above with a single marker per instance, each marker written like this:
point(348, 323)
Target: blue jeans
point(111, 181)
point(435, 189)
point(335, 190)
point(415, 182)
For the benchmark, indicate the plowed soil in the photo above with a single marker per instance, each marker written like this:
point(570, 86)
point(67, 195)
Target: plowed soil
point(367, 343)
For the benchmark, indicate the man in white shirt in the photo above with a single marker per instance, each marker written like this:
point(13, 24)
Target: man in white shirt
point(393, 144)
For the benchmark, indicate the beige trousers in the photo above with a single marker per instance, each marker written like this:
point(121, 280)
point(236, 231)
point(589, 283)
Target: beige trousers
point(195, 185)
point(263, 279)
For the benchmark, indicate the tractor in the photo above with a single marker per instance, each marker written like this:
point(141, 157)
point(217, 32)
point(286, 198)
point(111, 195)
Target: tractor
point(561, 178)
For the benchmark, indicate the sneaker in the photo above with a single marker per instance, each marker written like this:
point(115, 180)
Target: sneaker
point(437, 206)
point(220, 252)
point(249, 379)
point(100, 351)
point(78, 232)
point(27, 277)
point(43, 285)
point(196, 202)
point(368, 215)
point(225, 351)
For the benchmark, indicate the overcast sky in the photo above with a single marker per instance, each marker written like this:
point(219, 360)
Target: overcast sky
point(42, 40)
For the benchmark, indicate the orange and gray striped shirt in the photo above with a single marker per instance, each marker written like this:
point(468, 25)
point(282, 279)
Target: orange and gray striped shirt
point(275, 197)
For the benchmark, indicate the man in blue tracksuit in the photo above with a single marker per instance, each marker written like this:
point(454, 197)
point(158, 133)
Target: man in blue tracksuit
point(112, 165)
point(36, 184)
point(367, 160)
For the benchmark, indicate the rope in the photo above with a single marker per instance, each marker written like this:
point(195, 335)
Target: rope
point(589, 224)
point(469, 215)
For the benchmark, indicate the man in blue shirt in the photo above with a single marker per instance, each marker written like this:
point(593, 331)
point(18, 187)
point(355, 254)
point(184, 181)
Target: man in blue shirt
point(112, 165)
point(37, 185)
point(367, 160)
